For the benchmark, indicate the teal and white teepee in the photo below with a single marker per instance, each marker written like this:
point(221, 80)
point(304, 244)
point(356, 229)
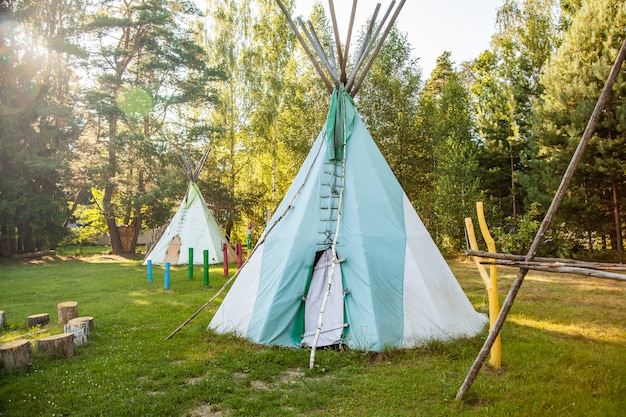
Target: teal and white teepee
point(346, 259)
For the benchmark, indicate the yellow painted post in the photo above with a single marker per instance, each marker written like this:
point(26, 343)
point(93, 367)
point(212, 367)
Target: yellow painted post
point(495, 359)
point(469, 227)
point(496, 350)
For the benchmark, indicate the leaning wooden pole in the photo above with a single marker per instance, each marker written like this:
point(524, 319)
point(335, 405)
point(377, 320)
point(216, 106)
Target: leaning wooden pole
point(558, 197)
point(318, 68)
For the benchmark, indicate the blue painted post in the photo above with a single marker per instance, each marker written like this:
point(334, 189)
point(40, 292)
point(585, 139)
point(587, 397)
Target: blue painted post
point(150, 270)
point(206, 268)
point(166, 277)
point(190, 264)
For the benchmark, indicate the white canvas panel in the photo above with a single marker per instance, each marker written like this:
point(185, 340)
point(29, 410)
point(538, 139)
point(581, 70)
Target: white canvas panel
point(435, 306)
point(332, 323)
point(236, 310)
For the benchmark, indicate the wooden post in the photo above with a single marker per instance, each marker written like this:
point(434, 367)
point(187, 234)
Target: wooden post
point(17, 354)
point(67, 311)
point(543, 228)
point(494, 304)
point(190, 264)
point(225, 254)
point(38, 320)
point(496, 354)
point(62, 344)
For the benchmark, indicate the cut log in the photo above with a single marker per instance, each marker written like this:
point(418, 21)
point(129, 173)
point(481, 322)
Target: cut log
point(67, 310)
point(35, 320)
point(1, 319)
point(86, 319)
point(58, 344)
point(31, 255)
point(80, 329)
point(17, 354)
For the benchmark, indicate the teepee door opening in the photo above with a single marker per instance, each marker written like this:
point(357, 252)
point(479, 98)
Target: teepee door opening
point(333, 322)
point(173, 251)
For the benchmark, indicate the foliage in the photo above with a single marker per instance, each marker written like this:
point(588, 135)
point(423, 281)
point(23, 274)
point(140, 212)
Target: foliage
point(446, 124)
point(148, 68)
point(591, 211)
point(506, 82)
point(516, 235)
point(563, 353)
point(37, 123)
point(102, 95)
point(388, 103)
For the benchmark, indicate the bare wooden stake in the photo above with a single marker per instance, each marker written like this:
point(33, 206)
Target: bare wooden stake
point(560, 194)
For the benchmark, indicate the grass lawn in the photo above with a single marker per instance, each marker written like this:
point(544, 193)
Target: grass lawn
point(564, 353)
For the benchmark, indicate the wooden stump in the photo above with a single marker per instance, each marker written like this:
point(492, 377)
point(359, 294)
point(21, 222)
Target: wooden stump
point(67, 311)
point(38, 319)
point(2, 320)
point(62, 344)
point(17, 354)
point(87, 319)
point(80, 329)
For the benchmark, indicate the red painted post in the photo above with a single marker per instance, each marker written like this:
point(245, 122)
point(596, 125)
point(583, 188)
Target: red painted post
point(225, 259)
point(239, 256)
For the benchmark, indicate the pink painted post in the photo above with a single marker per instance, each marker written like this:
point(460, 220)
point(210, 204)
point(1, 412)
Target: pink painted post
point(225, 259)
point(239, 256)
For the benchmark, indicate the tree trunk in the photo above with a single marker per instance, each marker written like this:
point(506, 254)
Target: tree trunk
point(618, 226)
point(72, 209)
point(513, 197)
point(109, 212)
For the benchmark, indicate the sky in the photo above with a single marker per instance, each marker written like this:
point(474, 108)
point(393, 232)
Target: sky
point(463, 27)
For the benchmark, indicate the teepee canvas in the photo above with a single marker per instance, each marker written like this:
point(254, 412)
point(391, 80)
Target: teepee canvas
point(193, 226)
point(346, 259)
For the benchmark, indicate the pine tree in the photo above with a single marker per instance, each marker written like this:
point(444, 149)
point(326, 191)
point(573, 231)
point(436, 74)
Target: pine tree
point(573, 81)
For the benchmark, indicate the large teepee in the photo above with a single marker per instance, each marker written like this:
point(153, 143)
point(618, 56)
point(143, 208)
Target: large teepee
point(193, 226)
point(346, 259)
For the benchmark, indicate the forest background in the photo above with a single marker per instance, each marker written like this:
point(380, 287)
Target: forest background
point(99, 98)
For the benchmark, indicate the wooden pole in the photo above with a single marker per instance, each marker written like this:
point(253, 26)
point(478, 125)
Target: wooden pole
point(348, 37)
point(317, 46)
point(333, 18)
point(560, 194)
point(510, 257)
point(577, 270)
point(319, 69)
point(357, 84)
point(365, 46)
point(495, 359)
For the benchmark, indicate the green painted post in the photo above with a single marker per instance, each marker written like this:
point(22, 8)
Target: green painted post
point(206, 268)
point(190, 264)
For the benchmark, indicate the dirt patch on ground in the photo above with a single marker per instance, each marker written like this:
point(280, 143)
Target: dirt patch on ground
point(291, 376)
point(205, 410)
point(194, 380)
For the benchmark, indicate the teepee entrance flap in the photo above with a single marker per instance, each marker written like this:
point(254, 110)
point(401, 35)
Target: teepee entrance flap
point(333, 320)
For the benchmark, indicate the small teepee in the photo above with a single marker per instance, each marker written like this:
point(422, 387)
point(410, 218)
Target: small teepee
point(346, 259)
point(193, 226)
